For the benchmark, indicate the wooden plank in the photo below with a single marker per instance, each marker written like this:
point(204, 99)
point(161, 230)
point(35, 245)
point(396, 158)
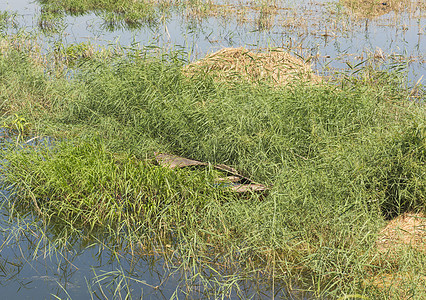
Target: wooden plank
point(244, 188)
point(229, 179)
point(174, 161)
point(237, 183)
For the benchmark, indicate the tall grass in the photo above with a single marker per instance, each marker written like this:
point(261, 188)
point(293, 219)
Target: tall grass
point(340, 160)
point(130, 12)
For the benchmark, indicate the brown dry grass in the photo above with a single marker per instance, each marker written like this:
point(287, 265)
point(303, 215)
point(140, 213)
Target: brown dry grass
point(408, 229)
point(22, 44)
point(402, 239)
point(276, 67)
point(376, 8)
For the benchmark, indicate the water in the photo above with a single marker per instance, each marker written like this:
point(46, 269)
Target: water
point(31, 267)
point(319, 30)
point(34, 266)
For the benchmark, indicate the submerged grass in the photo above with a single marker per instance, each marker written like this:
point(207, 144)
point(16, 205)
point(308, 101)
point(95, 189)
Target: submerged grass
point(259, 15)
point(341, 160)
point(133, 14)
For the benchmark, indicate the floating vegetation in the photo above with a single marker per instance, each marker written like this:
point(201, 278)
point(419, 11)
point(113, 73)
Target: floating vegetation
point(51, 22)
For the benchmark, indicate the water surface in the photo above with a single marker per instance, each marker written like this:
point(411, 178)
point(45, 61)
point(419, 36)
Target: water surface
point(323, 32)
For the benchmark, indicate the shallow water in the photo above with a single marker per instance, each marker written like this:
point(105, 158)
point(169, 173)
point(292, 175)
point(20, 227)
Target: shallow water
point(33, 266)
point(30, 268)
point(321, 31)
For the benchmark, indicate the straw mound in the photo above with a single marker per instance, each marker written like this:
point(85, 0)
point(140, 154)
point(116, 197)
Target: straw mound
point(276, 67)
point(400, 283)
point(368, 8)
point(407, 229)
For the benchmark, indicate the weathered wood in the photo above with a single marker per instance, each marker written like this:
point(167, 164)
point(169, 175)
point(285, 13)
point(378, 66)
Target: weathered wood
point(174, 161)
point(251, 187)
point(229, 179)
point(237, 182)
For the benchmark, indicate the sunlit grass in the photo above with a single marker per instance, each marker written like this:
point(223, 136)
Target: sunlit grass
point(340, 158)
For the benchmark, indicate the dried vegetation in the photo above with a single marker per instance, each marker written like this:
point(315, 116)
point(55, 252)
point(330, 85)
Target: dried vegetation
point(276, 67)
point(376, 8)
point(408, 229)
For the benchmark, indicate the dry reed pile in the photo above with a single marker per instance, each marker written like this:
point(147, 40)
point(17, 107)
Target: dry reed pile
point(377, 8)
point(407, 229)
point(404, 234)
point(276, 67)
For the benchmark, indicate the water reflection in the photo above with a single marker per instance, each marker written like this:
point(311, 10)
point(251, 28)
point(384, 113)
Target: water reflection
point(47, 262)
point(324, 32)
point(33, 265)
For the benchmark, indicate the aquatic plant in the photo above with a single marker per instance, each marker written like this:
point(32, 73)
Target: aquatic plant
point(341, 159)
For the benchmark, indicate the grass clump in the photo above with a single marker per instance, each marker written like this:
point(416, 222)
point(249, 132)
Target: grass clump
point(131, 12)
point(22, 89)
point(341, 160)
point(87, 186)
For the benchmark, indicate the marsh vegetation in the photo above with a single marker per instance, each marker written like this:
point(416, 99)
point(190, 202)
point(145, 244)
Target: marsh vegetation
point(342, 156)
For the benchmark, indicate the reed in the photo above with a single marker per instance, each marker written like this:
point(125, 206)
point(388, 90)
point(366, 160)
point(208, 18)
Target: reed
point(341, 159)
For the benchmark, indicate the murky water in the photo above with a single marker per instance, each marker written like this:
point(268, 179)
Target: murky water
point(31, 269)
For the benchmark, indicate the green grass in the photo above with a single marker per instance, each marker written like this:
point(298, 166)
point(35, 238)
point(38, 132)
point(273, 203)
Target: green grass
point(341, 159)
point(132, 14)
